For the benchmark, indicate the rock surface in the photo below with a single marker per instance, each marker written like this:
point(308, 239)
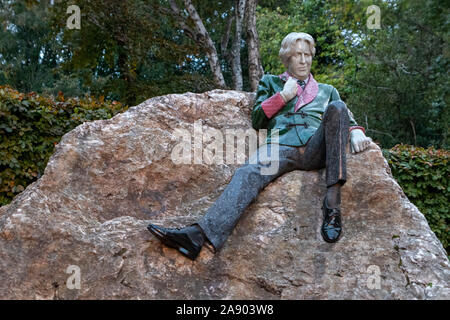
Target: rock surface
point(108, 179)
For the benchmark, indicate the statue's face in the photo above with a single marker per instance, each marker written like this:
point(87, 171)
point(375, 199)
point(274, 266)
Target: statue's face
point(300, 61)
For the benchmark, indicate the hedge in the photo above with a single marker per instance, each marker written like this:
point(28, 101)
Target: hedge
point(30, 127)
point(424, 175)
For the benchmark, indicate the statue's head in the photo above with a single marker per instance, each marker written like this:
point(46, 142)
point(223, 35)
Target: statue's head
point(296, 53)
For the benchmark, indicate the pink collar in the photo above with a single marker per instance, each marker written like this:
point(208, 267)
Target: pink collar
point(304, 96)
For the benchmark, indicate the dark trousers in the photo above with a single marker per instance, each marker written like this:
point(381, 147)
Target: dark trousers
point(326, 148)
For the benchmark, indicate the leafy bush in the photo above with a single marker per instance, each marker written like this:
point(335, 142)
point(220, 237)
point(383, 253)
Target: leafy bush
point(30, 127)
point(424, 175)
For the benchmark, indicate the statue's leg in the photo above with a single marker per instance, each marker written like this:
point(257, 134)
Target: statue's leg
point(248, 180)
point(327, 148)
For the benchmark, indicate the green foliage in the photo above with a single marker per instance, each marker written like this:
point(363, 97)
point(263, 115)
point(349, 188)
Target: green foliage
point(27, 52)
point(401, 77)
point(31, 126)
point(424, 175)
point(125, 50)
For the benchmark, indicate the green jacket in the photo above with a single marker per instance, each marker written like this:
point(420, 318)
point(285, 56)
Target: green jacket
point(294, 127)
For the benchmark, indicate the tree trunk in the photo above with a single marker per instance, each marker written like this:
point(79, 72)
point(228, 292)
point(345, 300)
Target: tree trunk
point(239, 9)
point(255, 68)
point(202, 37)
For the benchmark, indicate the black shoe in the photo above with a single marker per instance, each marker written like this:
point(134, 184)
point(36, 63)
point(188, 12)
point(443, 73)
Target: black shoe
point(188, 240)
point(332, 225)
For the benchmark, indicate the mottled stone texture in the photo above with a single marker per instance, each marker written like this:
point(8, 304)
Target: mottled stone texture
point(108, 179)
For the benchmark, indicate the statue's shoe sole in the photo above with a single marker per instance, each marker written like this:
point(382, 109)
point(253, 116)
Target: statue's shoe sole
point(172, 242)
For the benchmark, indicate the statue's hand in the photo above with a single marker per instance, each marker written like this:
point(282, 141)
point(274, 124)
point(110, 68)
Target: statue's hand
point(289, 90)
point(358, 141)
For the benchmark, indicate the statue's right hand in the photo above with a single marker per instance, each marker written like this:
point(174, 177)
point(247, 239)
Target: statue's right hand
point(289, 90)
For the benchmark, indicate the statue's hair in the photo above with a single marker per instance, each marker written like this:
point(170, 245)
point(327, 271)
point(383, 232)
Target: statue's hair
point(287, 45)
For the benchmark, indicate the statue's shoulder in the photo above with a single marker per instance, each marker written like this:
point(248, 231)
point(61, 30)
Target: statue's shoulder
point(271, 78)
point(325, 86)
point(328, 88)
point(272, 81)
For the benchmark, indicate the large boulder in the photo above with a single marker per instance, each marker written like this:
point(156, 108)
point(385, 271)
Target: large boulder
point(87, 217)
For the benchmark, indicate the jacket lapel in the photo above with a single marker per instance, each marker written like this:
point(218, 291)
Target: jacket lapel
point(304, 96)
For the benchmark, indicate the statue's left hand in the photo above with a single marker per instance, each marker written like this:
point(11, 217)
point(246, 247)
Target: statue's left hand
point(358, 141)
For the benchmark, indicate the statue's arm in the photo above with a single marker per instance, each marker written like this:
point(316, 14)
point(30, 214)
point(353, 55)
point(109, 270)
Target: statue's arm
point(273, 100)
point(358, 140)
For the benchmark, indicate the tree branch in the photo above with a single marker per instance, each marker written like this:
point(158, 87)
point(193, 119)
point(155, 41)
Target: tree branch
point(226, 36)
point(198, 34)
point(176, 13)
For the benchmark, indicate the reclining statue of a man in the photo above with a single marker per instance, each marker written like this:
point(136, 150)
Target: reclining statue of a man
point(312, 127)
